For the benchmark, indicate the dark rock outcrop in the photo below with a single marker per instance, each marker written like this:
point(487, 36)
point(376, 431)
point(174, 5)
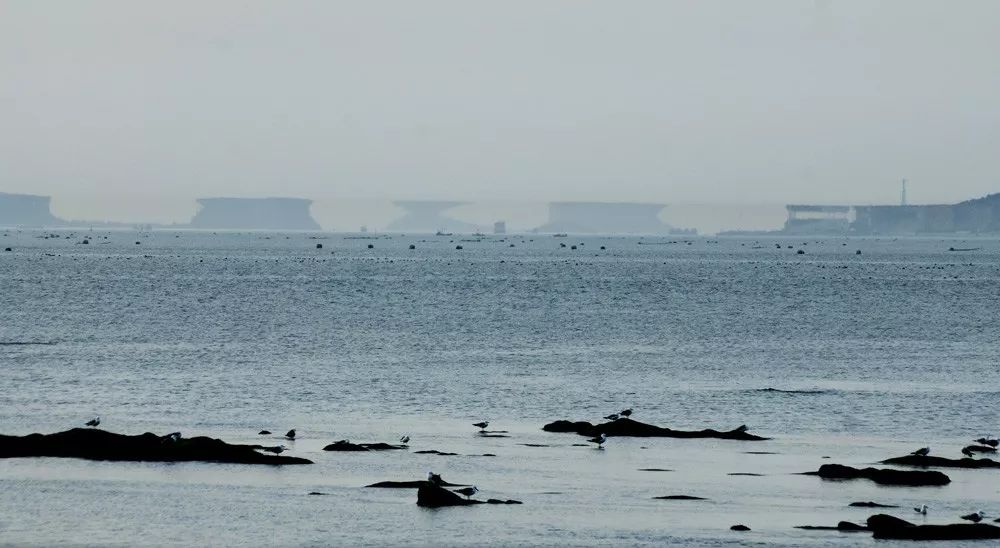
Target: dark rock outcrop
point(679, 497)
point(434, 496)
point(882, 476)
point(95, 444)
point(412, 484)
point(871, 504)
point(740, 527)
point(434, 452)
point(845, 526)
point(929, 461)
point(344, 445)
point(629, 427)
point(888, 527)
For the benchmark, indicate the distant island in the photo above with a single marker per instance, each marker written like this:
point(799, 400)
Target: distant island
point(255, 213)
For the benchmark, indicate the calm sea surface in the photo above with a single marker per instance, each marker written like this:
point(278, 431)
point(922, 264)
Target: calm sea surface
point(225, 334)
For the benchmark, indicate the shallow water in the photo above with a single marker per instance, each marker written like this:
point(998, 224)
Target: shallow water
point(224, 334)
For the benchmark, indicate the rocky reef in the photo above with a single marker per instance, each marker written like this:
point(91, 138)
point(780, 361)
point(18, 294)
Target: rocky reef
point(928, 461)
point(882, 476)
point(95, 444)
point(888, 527)
point(629, 427)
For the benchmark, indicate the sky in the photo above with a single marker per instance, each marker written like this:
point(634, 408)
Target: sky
point(129, 110)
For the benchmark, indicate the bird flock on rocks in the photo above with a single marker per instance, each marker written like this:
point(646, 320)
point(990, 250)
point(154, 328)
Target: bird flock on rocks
point(987, 444)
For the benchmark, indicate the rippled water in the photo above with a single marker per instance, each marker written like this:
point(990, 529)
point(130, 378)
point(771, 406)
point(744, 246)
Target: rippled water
point(225, 334)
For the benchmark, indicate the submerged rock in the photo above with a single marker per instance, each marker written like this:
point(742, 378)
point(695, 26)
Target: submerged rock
point(888, 527)
point(345, 445)
point(846, 526)
point(871, 504)
point(740, 527)
point(95, 444)
point(929, 461)
point(882, 476)
point(679, 497)
point(629, 427)
point(434, 452)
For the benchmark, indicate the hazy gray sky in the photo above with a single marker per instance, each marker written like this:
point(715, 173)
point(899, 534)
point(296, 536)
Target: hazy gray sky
point(146, 105)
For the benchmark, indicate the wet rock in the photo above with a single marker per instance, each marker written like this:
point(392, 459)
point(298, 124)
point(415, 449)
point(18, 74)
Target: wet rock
point(412, 484)
point(882, 476)
point(316, 493)
point(264, 433)
point(888, 527)
point(929, 461)
point(655, 470)
point(96, 444)
point(871, 504)
point(629, 427)
point(345, 445)
point(739, 528)
point(434, 496)
point(845, 526)
point(751, 474)
point(435, 452)
point(679, 497)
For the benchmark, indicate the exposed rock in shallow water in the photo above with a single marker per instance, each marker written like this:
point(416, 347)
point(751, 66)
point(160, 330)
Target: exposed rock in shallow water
point(929, 461)
point(870, 504)
point(655, 470)
point(344, 445)
point(888, 527)
point(739, 528)
point(845, 526)
point(679, 497)
point(411, 484)
point(95, 444)
point(882, 476)
point(629, 427)
point(751, 474)
point(433, 496)
point(434, 452)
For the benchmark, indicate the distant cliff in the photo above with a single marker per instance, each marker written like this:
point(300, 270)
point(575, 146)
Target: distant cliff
point(255, 213)
point(26, 210)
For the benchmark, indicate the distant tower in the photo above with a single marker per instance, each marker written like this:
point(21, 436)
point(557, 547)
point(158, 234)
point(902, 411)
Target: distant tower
point(902, 194)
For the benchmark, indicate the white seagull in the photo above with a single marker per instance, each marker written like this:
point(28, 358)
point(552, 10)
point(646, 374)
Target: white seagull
point(468, 491)
point(975, 517)
point(922, 509)
point(93, 422)
point(482, 425)
point(922, 452)
point(404, 440)
point(599, 440)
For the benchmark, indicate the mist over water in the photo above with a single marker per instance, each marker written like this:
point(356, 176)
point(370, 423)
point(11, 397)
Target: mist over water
point(872, 355)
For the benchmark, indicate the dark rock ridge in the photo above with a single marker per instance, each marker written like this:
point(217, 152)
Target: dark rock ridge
point(344, 445)
point(871, 504)
point(95, 444)
point(433, 496)
point(882, 476)
point(929, 461)
point(739, 527)
point(888, 527)
point(679, 497)
point(435, 452)
point(629, 427)
point(412, 484)
point(841, 526)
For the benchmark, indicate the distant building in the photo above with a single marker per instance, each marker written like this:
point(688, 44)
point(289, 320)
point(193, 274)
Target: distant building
point(27, 210)
point(428, 216)
point(254, 214)
point(818, 219)
point(981, 215)
point(605, 218)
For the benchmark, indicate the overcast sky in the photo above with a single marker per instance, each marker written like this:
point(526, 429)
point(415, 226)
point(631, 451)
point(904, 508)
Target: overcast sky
point(131, 109)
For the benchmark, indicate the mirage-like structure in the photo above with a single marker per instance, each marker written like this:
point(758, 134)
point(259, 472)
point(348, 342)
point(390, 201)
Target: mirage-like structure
point(605, 218)
point(428, 216)
point(980, 215)
point(254, 214)
point(27, 210)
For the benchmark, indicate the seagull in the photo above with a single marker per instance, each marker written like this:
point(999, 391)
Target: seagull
point(966, 452)
point(599, 440)
point(988, 440)
point(404, 440)
point(482, 425)
point(435, 479)
point(172, 437)
point(921, 510)
point(264, 433)
point(922, 452)
point(290, 434)
point(975, 517)
point(277, 449)
point(468, 491)
point(93, 422)
point(612, 417)
point(626, 412)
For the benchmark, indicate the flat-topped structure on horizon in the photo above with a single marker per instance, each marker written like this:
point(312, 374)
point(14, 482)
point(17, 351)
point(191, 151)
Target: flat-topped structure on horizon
point(428, 216)
point(28, 210)
point(605, 218)
point(979, 215)
point(254, 214)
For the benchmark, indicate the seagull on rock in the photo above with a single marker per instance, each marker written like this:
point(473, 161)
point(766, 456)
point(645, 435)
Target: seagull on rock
point(434, 479)
point(599, 440)
point(172, 437)
point(975, 517)
point(467, 491)
point(612, 417)
point(93, 422)
point(922, 452)
point(277, 449)
point(404, 440)
point(482, 425)
point(290, 434)
point(626, 412)
point(922, 509)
